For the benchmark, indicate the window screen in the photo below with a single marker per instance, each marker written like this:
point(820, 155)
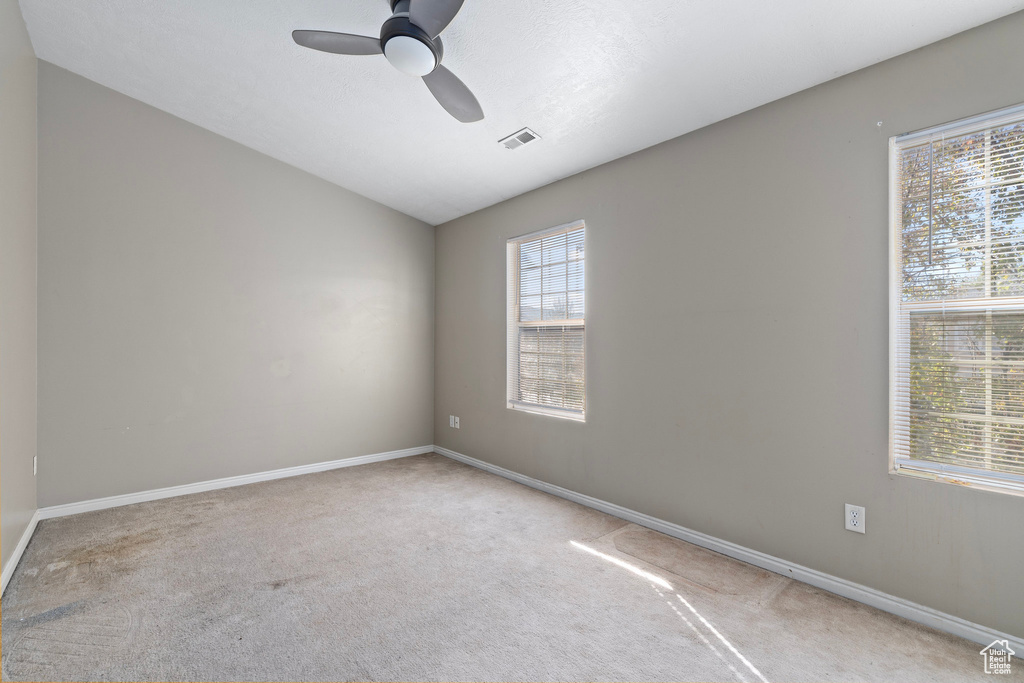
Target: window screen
point(547, 322)
point(957, 319)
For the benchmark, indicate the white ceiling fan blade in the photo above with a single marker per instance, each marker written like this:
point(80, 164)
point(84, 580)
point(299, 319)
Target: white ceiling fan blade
point(338, 43)
point(433, 15)
point(453, 95)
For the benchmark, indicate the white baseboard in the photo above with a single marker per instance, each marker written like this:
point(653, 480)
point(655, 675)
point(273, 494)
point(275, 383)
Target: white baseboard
point(12, 561)
point(227, 482)
point(847, 589)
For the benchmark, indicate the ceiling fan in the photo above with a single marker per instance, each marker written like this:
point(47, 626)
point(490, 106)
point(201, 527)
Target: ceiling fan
point(411, 41)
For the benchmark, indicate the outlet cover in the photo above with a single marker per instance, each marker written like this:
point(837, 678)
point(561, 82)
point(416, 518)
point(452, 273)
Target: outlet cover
point(456, 421)
point(856, 519)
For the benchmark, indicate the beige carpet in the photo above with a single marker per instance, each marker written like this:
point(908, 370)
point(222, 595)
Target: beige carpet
point(426, 569)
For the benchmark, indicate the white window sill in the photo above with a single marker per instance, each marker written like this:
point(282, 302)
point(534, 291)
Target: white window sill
point(574, 415)
point(960, 476)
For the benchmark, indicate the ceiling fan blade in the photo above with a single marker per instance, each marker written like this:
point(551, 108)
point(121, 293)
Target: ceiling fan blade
point(338, 43)
point(433, 15)
point(453, 95)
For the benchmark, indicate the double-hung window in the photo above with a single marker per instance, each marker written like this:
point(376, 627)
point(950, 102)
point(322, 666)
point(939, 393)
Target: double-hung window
point(547, 322)
point(957, 302)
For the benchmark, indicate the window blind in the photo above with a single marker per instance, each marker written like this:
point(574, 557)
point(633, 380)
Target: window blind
point(958, 302)
point(546, 322)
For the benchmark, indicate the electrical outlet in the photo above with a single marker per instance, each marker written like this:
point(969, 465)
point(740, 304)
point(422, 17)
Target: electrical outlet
point(35, 464)
point(456, 421)
point(451, 420)
point(855, 518)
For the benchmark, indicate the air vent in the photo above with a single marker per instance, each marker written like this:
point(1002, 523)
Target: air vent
point(519, 138)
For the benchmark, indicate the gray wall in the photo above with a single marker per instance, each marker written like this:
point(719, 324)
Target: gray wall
point(17, 277)
point(206, 311)
point(737, 336)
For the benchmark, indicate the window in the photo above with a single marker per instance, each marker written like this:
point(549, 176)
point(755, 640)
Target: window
point(957, 302)
point(546, 322)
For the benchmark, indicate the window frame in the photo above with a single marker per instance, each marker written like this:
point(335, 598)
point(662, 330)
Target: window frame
point(512, 278)
point(904, 466)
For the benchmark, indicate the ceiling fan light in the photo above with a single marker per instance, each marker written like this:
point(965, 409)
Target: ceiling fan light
point(410, 55)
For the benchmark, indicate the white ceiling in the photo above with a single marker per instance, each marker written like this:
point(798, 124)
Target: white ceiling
point(597, 79)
